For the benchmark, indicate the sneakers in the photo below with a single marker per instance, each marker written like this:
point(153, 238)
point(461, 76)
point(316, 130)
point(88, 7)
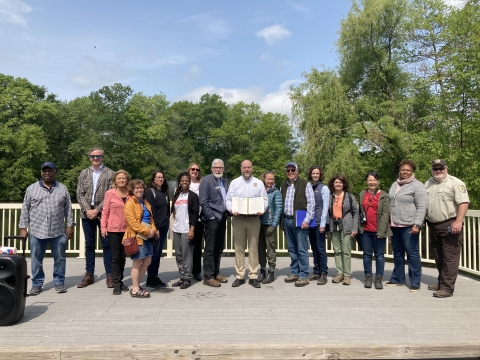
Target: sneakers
point(60, 288)
point(323, 279)
point(414, 288)
point(378, 283)
point(211, 282)
point(35, 290)
point(392, 284)
point(270, 277)
point(368, 281)
point(255, 283)
point(87, 280)
point(301, 282)
point(346, 280)
point(291, 278)
point(337, 279)
point(433, 287)
point(262, 276)
point(314, 277)
point(442, 294)
point(109, 281)
point(221, 279)
point(238, 282)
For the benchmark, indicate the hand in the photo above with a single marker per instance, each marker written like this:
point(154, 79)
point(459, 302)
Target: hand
point(304, 225)
point(260, 213)
point(321, 229)
point(235, 213)
point(151, 234)
point(414, 230)
point(157, 234)
point(23, 232)
point(69, 232)
point(104, 233)
point(457, 227)
point(190, 234)
point(353, 234)
point(92, 214)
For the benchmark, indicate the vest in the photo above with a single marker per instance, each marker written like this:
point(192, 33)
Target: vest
point(299, 198)
point(317, 192)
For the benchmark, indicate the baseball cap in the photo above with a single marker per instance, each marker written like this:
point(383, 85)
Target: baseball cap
point(49, 164)
point(439, 162)
point(291, 163)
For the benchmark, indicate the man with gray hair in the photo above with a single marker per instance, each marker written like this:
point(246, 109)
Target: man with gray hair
point(93, 183)
point(213, 193)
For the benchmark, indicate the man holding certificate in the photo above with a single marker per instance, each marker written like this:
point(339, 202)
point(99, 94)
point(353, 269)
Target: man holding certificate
point(246, 200)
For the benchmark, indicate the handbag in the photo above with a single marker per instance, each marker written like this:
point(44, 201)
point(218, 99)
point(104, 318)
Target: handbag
point(131, 246)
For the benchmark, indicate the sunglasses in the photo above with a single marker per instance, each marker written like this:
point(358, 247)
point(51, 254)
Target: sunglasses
point(438, 169)
point(194, 169)
point(290, 170)
point(96, 156)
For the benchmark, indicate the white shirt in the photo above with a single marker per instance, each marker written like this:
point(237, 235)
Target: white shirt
point(181, 222)
point(250, 188)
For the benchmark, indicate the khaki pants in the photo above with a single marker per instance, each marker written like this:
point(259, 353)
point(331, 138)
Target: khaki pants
point(342, 247)
point(246, 230)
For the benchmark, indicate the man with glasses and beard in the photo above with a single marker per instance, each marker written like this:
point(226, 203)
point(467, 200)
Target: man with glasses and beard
point(93, 183)
point(213, 193)
point(447, 206)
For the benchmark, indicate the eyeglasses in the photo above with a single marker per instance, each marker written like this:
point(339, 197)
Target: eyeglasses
point(290, 170)
point(159, 177)
point(96, 156)
point(438, 169)
point(217, 168)
point(194, 169)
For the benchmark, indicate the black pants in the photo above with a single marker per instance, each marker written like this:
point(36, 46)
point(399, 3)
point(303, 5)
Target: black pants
point(118, 257)
point(197, 251)
point(214, 245)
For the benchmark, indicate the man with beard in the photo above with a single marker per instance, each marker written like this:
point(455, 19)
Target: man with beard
point(213, 193)
point(447, 206)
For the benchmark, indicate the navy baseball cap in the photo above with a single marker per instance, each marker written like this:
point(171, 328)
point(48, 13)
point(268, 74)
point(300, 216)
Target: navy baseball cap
point(48, 164)
point(291, 163)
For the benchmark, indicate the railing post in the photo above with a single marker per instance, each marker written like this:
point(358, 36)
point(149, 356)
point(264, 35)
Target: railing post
point(81, 243)
point(170, 239)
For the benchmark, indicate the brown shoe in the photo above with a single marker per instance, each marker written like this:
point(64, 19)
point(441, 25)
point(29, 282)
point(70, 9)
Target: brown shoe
point(87, 280)
point(322, 280)
point(109, 281)
point(301, 282)
point(314, 277)
point(346, 280)
point(291, 278)
point(211, 282)
point(433, 287)
point(337, 279)
point(221, 279)
point(442, 294)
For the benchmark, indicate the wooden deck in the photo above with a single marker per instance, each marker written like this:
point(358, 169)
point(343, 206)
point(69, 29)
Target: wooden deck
point(277, 321)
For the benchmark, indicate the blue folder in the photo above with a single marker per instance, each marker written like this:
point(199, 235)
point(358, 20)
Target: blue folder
point(300, 216)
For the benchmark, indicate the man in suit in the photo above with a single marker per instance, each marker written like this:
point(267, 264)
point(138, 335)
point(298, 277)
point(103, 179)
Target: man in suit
point(93, 182)
point(213, 193)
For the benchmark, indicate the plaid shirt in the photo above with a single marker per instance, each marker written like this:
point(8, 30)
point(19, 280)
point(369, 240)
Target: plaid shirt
point(310, 201)
point(45, 210)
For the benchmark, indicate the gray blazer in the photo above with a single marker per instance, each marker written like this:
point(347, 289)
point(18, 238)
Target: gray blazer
point(409, 205)
point(85, 188)
point(211, 199)
point(350, 221)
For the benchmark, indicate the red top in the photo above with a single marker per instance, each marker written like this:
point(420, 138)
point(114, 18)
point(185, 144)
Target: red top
point(370, 206)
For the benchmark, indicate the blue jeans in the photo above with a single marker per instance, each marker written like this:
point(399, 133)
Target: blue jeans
point(297, 242)
point(320, 258)
point(89, 230)
point(37, 253)
point(404, 242)
point(373, 245)
point(157, 252)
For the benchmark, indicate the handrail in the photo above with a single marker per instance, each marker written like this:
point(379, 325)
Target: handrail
point(469, 260)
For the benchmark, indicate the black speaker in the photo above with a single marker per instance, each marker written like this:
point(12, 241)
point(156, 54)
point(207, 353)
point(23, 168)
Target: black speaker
point(13, 288)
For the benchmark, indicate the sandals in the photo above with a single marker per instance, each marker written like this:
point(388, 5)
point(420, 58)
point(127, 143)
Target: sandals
point(141, 293)
point(185, 284)
point(178, 283)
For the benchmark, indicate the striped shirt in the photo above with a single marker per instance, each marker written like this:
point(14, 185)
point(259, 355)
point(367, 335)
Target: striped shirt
point(310, 201)
point(45, 210)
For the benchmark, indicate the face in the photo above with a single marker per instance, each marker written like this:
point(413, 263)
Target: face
point(246, 168)
point(405, 171)
point(315, 175)
point(269, 180)
point(439, 172)
point(48, 175)
point(291, 173)
point(121, 180)
point(158, 179)
point(184, 183)
point(194, 171)
point(217, 170)
point(96, 157)
point(138, 192)
point(372, 183)
point(338, 184)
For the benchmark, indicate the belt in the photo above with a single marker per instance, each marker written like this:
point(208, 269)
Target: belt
point(288, 217)
point(248, 215)
point(441, 222)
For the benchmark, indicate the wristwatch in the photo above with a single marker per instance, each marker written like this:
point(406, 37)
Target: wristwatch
point(419, 227)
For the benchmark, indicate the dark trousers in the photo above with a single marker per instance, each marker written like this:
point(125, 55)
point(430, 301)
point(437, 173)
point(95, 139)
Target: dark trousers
point(446, 249)
point(214, 245)
point(197, 251)
point(319, 250)
point(89, 229)
point(118, 257)
point(267, 242)
point(158, 246)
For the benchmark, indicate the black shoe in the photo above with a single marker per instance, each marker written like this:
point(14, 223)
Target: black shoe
point(255, 283)
point(178, 283)
point(161, 284)
point(368, 281)
point(124, 288)
point(262, 275)
point(198, 277)
point(152, 282)
point(323, 279)
point(185, 284)
point(238, 282)
point(378, 283)
point(117, 291)
point(270, 277)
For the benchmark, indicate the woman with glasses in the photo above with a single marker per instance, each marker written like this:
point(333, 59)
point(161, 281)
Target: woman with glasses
point(375, 228)
point(343, 212)
point(195, 177)
point(158, 197)
point(408, 206)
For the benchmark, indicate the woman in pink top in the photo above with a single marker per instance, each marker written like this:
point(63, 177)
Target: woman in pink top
point(113, 224)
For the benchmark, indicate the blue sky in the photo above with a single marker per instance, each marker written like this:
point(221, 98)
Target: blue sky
point(242, 50)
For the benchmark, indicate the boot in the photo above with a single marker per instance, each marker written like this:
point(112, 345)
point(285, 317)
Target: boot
point(262, 275)
point(88, 279)
point(368, 281)
point(270, 277)
point(378, 283)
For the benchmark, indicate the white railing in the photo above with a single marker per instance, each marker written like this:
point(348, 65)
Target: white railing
point(469, 261)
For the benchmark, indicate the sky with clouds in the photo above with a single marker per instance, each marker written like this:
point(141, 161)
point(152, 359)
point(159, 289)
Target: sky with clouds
point(243, 50)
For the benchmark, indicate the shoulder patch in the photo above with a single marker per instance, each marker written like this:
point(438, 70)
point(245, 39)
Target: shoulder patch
point(255, 184)
point(462, 188)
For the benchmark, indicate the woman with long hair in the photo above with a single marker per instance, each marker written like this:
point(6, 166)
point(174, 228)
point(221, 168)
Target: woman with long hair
point(195, 177)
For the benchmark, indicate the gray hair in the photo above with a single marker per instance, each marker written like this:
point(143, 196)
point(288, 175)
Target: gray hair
point(218, 161)
point(96, 148)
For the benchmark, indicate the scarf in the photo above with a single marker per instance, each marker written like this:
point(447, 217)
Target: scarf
point(271, 189)
point(400, 183)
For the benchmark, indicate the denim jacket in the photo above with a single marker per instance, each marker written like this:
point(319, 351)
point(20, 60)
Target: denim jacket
point(274, 211)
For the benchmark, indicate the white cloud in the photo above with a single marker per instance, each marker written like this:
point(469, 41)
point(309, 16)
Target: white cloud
point(193, 74)
point(305, 10)
point(455, 3)
point(273, 34)
point(276, 101)
point(12, 11)
point(211, 26)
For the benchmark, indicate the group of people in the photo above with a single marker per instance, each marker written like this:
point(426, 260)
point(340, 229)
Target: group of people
point(306, 210)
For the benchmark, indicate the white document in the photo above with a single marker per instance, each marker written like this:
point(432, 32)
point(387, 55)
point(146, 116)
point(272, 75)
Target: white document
point(247, 206)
